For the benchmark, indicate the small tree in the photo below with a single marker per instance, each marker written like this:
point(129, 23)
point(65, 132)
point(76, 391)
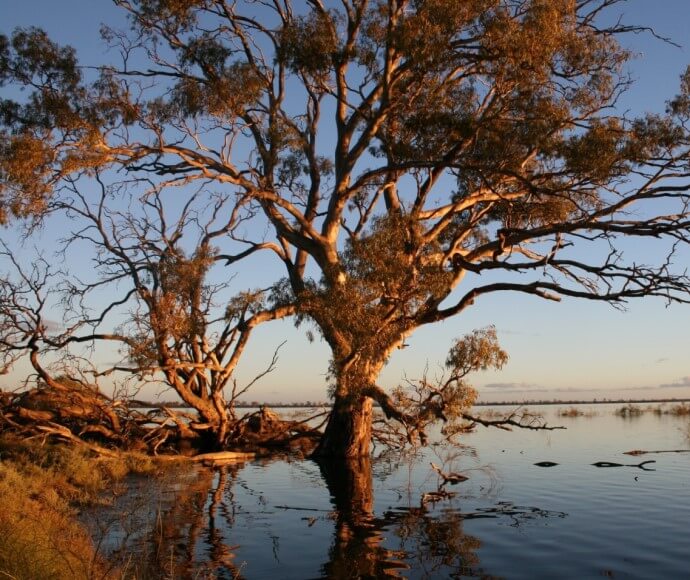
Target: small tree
point(396, 148)
point(171, 323)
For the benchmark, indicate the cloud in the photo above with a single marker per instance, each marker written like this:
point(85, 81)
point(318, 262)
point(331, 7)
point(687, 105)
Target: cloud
point(54, 326)
point(682, 382)
point(509, 332)
point(505, 386)
point(662, 359)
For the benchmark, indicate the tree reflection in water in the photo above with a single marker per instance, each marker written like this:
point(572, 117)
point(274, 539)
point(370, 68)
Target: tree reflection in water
point(204, 528)
point(156, 528)
point(431, 541)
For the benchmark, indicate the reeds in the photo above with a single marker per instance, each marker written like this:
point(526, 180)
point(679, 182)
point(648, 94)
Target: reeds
point(629, 410)
point(677, 410)
point(576, 412)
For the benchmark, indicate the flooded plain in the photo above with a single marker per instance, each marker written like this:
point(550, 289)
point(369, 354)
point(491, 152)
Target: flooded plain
point(373, 519)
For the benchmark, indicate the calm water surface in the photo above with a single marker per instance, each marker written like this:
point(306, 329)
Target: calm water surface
point(511, 519)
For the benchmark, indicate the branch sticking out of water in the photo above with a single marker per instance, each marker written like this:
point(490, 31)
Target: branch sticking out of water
point(517, 418)
point(641, 452)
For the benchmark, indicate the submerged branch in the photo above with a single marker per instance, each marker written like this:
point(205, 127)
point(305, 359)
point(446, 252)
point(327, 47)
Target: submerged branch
point(521, 420)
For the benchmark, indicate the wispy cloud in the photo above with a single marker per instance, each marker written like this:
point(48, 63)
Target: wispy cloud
point(504, 386)
point(510, 332)
point(54, 326)
point(662, 360)
point(682, 382)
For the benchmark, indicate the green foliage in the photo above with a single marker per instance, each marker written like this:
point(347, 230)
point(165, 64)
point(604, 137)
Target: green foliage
point(476, 351)
point(228, 94)
point(245, 304)
point(31, 58)
point(175, 305)
point(55, 131)
point(309, 44)
point(448, 398)
point(170, 15)
point(388, 277)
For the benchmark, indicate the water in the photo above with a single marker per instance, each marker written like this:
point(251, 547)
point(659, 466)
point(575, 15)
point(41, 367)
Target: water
point(511, 519)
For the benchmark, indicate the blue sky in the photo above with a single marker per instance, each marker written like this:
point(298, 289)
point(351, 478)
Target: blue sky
point(573, 349)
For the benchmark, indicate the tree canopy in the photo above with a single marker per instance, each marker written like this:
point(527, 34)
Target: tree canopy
point(400, 158)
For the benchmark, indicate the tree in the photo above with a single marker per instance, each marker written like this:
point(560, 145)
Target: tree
point(398, 149)
point(170, 322)
point(181, 327)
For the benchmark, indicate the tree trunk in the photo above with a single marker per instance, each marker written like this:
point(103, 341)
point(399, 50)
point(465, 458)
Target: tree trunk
point(348, 432)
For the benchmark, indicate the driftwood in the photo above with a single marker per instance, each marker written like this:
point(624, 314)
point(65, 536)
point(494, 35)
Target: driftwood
point(64, 433)
point(517, 418)
point(82, 415)
point(73, 412)
point(211, 459)
point(266, 429)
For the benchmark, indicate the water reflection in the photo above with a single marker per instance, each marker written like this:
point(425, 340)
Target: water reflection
point(426, 538)
point(356, 550)
point(219, 523)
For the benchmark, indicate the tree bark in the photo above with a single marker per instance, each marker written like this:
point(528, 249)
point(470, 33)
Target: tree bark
point(348, 432)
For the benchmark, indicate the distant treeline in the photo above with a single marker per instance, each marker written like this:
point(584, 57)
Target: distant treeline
point(580, 402)
point(302, 404)
point(239, 405)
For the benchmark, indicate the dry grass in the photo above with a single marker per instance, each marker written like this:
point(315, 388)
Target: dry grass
point(679, 410)
point(676, 410)
point(492, 414)
point(576, 412)
point(41, 487)
point(629, 410)
point(39, 536)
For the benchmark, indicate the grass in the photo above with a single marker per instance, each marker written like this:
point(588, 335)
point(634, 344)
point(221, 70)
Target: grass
point(677, 410)
point(492, 414)
point(680, 410)
point(42, 487)
point(629, 410)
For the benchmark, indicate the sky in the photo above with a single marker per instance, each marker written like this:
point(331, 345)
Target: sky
point(567, 350)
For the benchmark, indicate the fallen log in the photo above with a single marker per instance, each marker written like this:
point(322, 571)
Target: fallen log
point(214, 458)
point(224, 456)
point(64, 433)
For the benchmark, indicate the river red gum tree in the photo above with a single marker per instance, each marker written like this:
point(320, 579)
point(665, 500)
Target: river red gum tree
point(396, 148)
